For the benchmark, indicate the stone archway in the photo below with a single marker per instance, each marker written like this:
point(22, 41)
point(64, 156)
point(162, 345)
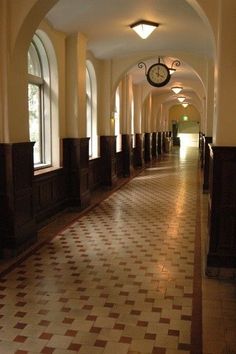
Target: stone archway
point(17, 39)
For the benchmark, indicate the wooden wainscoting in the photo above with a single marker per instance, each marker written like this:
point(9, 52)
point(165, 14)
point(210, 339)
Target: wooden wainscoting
point(222, 207)
point(49, 193)
point(95, 173)
point(17, 223)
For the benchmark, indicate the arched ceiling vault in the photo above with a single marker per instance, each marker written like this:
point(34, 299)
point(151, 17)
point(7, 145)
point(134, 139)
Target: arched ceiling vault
point(183, 33)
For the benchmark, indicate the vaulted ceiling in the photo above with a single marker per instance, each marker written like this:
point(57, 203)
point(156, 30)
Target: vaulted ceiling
point(106, 23)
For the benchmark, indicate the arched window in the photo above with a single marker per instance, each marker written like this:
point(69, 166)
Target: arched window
point(43, 101)
point(91, 94)
point(117, 121)
point(39, 103)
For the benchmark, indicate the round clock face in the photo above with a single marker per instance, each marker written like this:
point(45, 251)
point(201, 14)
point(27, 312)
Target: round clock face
point(158, 75)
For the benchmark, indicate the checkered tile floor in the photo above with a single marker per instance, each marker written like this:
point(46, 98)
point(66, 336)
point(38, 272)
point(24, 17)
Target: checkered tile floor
point(119, 280)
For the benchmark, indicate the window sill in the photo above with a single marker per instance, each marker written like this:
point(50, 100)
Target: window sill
point(41, 171)
point(91, 158)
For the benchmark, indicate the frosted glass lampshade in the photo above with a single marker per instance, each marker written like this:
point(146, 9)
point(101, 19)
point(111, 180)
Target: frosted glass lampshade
point(181, 99)
point(144, 28)
point(176, 89)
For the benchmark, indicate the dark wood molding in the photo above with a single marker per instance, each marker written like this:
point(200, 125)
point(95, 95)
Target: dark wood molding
point(126, 154)
point(119, 164)
point(17, 223)
point(154, 144)
point(95, 173)
point(147, 147)
point(164, 135)
point(108, 158)
point(201, 148)
point(206, 155)
point(76, 165)
point(138, 160)
point(222, 207)
point(160, 143)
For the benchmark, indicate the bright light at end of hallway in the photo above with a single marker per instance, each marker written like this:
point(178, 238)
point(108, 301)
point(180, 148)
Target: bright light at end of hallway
point(183, 152)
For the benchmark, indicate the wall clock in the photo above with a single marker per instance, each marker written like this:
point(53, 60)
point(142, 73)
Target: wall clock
point(158, 75)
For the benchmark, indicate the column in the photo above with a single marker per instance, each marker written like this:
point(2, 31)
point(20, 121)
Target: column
point(138, 151)
point(222, 197)
point(126, 102)
point(76, 46)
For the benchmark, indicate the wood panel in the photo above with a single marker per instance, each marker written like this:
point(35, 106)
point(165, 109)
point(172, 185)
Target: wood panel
point(138, 155)
point(76, 164)
point(206, 157)
point(201, 148)
point(95, 173)
point(222, 207)
point(160, 143)
point(17, 223)
point(108, 156)
point(147, 147)
point(126, 154)
point(154, 145)
point(49, 194)
point(119, 164)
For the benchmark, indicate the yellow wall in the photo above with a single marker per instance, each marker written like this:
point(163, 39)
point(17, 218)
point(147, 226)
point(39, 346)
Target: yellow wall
point(177, 111)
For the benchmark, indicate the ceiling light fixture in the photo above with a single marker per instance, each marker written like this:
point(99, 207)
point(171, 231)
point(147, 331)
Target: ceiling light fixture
point(185, 104)
point(176, 89)
point(181, 99)
point(144, 28)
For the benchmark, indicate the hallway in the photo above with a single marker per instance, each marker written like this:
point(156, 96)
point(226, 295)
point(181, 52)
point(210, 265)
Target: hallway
point(119, 279)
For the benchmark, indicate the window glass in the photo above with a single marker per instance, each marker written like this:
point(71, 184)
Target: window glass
point(34, 65)
point(132, 123)
point(34, 102)
point(117, 121)
point(91, 113)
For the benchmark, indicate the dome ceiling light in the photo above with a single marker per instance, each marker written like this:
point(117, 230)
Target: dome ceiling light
point(176, 89)
point(144, 28)
point(181, 99)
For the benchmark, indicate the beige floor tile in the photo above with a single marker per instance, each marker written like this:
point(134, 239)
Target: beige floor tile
point(60, 342)
point(170, 342)
point(86, 349)
point(116, 348)
point(144, 346)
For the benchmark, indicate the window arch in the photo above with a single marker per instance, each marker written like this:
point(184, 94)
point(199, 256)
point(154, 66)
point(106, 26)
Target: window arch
point(91, 109)
point(43, 101)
